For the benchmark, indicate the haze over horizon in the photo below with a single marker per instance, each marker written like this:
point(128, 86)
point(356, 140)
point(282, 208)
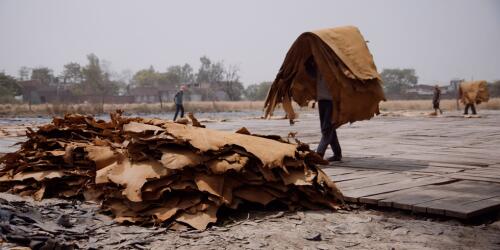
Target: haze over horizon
point(441, 40)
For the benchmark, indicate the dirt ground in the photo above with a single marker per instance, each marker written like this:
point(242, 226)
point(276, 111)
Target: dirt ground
point(360, 228)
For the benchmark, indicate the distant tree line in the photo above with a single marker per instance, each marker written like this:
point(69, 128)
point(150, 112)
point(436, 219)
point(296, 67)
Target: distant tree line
point(397, 81)
point(8, 88)
point(96, 78)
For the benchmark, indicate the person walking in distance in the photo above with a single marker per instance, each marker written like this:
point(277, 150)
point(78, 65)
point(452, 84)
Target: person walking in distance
point(178, 100)
point(325, 108)
point(436, 99)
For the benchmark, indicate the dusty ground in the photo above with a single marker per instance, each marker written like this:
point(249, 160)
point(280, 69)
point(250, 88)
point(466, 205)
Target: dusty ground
point(360, 228)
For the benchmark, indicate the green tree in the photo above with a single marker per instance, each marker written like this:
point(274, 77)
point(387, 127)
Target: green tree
point(210, 72)
point(8, 88)
point(93, 74)
point(72, 73)
point(396, 81)
point(43, 74)
point(257, 92)
point(146, 77)
point(97, 81)
point(231, 83)
point(178, 74)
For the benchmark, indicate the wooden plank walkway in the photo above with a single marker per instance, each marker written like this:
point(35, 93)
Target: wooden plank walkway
point(434, 175)
point(419, 188)
point(447, 166)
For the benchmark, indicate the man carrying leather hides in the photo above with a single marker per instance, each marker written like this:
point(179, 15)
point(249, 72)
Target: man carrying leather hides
point(325, 107)
point(340, 59)
point(471, 93)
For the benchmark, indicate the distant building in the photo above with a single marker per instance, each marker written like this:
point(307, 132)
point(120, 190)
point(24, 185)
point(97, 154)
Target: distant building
point(36, 92)
point(167, 94)
point(421, 89)
point(208, 92)
point(145, 94)
point(453, 87)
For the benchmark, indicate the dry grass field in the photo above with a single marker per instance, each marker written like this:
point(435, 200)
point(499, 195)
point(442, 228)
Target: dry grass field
point(449, 104)
point(197, 107)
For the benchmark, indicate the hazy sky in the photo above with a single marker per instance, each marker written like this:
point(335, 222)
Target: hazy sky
point(440, 39)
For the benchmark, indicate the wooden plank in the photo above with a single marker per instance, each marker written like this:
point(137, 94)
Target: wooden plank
point(356, 175)
point(418, 195)
point(464, 176)
point(381, 163)
point(453, 165)
point(476, 208)
point(372, 180)
point(384, 166)
point(460, 194)
point(362, 194)
point(436, 170)
point(456, 159)
point(485, 171)
point(338, 171)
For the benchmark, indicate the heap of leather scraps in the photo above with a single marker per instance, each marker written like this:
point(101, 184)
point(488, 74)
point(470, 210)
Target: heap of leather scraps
point(474, 92)
point(157, 171)
point(346, 64)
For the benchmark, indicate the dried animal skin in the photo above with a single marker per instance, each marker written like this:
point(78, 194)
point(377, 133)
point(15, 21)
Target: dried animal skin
point(473, 92)
point(156, 171)
point(179, 158)
point(200, 219)
point(212, 184)
point(102, 156)
point(133, 176)
point(345, 62)
point(39, 176)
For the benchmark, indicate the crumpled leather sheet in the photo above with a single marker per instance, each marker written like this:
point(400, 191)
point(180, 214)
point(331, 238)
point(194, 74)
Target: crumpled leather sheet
point(344, 60)
point(157, 171)
point(474, 92)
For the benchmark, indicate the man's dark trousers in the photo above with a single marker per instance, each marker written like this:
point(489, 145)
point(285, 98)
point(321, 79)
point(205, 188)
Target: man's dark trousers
point(178, 107)
point(467, 106)
point(328, 132)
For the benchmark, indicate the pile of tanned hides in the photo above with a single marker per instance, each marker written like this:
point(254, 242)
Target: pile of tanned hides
point(343, 59)
point(474, 92)
point(155, 171)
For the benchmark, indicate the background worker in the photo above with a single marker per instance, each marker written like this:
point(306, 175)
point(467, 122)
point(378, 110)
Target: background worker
point(436, 99)
point(325, 108)
point(178, 100)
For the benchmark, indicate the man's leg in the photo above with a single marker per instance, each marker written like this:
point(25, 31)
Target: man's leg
point(334, 143)
point(324, 108)
point(176, 111)
point(334, 140)
point(182, 110)
point(466, 112)
point(473, 107)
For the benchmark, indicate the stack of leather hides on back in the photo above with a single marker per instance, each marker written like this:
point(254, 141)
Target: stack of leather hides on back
point(343, 59)
point(474, 92)
point(157, 171)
